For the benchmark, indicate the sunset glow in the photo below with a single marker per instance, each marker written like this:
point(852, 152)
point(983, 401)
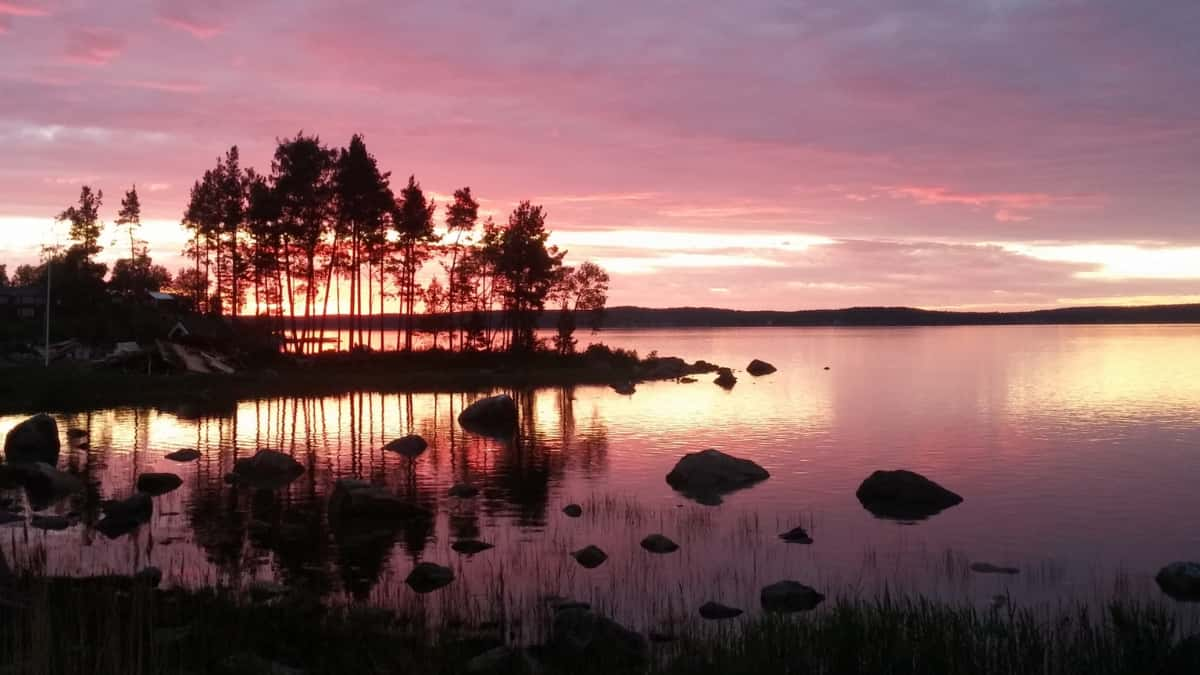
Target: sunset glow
point(746, 155)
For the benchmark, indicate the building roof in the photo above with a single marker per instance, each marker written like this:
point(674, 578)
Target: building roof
point(161, 296)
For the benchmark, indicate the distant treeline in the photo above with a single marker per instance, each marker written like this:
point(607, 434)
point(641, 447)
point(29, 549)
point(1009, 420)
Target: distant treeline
point(710, 317)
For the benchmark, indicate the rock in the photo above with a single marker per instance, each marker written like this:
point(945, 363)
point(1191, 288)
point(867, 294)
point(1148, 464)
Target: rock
point(1180, 580)
point(463, 491)
point(826, 367)
point(624, 388)
point(428, 577)
point(573, 510)
point(76, 434)
point(705, 475)
point(125, 516)
point(470, 546)
point(150, 576)
point(155, 484)
point(715, 611)
point(657, 543)
point(590, 556)
point(267, 469)
point(758, 368)
point(410, 446)
point(687, 380)
point(583, 639)
point(988, 568)
point(55, 523)
point(725, 378)
point(352, 499)
point(904, 495)
point(34, 440)
point(789, 596)
point(185, 455)
point(796, 535)
point(490, 416)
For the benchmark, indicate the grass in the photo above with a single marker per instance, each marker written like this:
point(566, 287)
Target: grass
point(111, 625)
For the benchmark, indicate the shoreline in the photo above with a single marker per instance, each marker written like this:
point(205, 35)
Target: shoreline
point(66, 388)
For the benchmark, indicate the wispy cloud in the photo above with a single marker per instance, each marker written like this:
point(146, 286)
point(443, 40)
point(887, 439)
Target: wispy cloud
point(94, 46)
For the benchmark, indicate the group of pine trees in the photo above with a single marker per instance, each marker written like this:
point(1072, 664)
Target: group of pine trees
point(326, 229)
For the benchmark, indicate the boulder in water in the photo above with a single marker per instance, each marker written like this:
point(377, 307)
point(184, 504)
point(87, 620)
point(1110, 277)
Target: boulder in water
point(658, 543)
point(573, 510)
point(428, 577)
point(470, 546)
point(1180, 580)
point(185, 455)
point(74, 434)
point(590, 556)
point(789, 596)
point(624, 388)
point(759, 368)
point(705, 475)
point(155, 484)
point(989, 568)
point(581, 638)
point(125, 515)
point(490, 416)
point(725, 378)
point(410, 446)
point(904, 495)
point(267, 469)
point(796, 535)
point(34, 440)
point(715, 611)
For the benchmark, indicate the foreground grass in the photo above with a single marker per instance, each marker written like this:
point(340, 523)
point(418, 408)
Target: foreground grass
point(114, 626)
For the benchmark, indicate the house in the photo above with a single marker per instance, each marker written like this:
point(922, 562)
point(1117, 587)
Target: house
point(22, 303)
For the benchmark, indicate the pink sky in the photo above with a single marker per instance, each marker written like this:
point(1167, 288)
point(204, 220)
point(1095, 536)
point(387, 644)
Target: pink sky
point(759, 154)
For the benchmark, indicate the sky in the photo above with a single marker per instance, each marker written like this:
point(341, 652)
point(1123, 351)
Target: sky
point(778, 154)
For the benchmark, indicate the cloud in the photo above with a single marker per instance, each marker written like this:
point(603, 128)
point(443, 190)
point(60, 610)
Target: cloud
point(170, 87)
point(22, 9)
point(198, 29)
point(94, 46)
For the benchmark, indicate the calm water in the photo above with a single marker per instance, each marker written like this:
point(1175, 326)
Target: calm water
point(1075, 448)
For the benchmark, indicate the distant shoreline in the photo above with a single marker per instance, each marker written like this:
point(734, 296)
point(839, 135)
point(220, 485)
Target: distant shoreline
point(624, 317)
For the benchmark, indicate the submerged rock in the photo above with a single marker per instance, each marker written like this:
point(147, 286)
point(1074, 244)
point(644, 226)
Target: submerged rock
point(493, 415)
point(796, 535)
point(1180, 580)
point(758, 368)
point(185, 455)
point(470, 546)
point(989, 568)
point(358, 499)
point(573, 510)
point(463, 491)
point(725, 378)
point(904, 495)
point(657, 543)
point(789, 596)
point(267, 469)
point(34, 440)
point(410, 446)
point(582, 638)
point(428, 577)
point(126, 515)
point(590, 556)
point(705, 475)
point(74, 434)
point(155, 484)
point(715, 611)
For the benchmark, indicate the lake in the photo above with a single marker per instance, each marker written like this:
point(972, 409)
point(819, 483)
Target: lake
point(1075, 449)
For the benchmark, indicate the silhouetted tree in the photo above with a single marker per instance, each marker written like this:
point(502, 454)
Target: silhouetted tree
point(26, 275)
point(85, 221)
point(130, 218)
point(461, 216)
point(134, 278)
point(363, 201)
point(527, 269)
point(4, 282)
point(413, 223)
point(189, 283)
point(578, 289)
